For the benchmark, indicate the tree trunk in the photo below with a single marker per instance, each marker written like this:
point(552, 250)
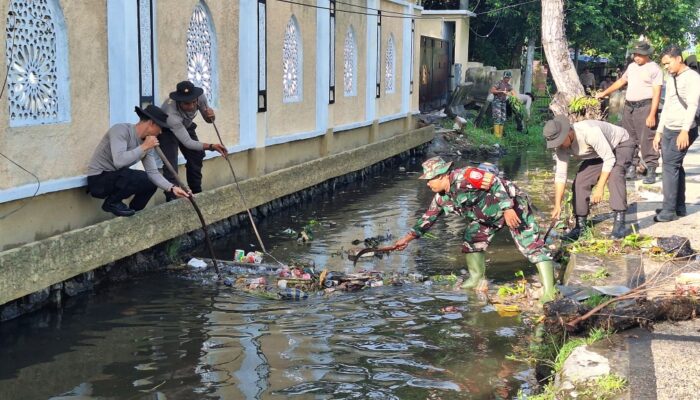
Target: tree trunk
point(527, 80)
point(556, 49)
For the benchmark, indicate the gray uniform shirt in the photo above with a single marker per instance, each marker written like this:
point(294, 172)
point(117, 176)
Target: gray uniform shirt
point(593, 139)
point(641, 79)
point(120, 148)
point(179, 121)
point(674, 116)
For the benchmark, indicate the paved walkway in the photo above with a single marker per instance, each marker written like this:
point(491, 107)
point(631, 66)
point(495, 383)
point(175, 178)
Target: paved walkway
point(663, 364)
point(688, 226)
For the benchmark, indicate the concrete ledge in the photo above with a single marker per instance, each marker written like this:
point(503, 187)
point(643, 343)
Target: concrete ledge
point(37, 265)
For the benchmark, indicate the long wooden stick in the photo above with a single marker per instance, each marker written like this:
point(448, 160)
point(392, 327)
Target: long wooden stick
point(194, 205)
point(235, 180)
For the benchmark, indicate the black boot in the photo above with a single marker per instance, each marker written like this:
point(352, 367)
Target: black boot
point(578, 229)
point(650, 178)
point(631, 173)
point(619, 231)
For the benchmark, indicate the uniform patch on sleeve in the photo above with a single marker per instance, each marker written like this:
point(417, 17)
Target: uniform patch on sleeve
point(479, 179)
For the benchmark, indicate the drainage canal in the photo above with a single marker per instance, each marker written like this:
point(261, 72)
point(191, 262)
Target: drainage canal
point(168, 335)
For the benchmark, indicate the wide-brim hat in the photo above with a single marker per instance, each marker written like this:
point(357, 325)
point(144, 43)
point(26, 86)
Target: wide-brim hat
point(433, 167)
point(154, 113)
point(186, 91)
point(555, 131)
point(642, 48)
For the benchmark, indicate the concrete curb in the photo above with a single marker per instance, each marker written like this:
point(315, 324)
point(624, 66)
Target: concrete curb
point(37, 265)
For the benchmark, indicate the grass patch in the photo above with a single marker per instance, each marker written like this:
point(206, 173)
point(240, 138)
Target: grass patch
point(480, 136)
point(603, 388)
point(600, 388)
point(600, 273)
point(596, 300)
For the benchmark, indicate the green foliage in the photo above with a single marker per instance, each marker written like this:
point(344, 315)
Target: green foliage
point(172, 249)
point(450, 279)
point(596, 28)
point(637, 241)
point(582, 103)
point(601, 273)
point(609, 385)
point(568, 347)
point(517, 289)
point(480, 136)
point(596, 300)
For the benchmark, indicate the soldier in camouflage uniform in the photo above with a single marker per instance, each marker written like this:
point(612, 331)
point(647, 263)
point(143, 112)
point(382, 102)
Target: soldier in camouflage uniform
point(501, 90)
point(487, 202)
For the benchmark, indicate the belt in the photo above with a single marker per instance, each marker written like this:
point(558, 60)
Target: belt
point(638, 104)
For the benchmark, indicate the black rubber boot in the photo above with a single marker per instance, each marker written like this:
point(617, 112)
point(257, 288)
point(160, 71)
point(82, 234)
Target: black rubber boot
point(578, 229)
point(631, 173)
point(619, 231)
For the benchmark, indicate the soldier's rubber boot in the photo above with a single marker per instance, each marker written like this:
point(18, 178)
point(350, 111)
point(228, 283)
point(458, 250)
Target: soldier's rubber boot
point(578, 229)
point(495, 130)
point(476, 264)
point(619, 231)
point(500, 131)
point(546, 271)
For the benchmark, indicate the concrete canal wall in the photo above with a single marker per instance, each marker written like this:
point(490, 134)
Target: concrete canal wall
point(33, 268)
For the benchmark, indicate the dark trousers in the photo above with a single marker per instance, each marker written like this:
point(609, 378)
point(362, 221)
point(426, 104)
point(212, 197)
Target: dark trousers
point(634, 120)
point(589, 172)
point(115, 186)
point(194, 159)
point(673, 174)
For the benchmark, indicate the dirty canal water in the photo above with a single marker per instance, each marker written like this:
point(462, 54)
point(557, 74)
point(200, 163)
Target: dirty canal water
point(170, 336)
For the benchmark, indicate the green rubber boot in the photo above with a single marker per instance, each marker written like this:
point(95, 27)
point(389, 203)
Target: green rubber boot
point(476, 264)
point(546, 270)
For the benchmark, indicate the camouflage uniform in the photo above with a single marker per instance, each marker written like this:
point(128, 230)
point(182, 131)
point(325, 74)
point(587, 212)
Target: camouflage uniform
point(482, 203)
point(499, 103)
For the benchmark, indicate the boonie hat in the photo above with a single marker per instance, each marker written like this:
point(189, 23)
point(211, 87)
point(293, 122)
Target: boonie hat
point(555, 131)
point(433, 167)
point(154, 113)
point(642, 48)
point(186, 91)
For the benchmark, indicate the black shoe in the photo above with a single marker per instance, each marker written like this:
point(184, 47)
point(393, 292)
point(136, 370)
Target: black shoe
point(118, 208)
point(650, 178)
point(631, 173)
point(619, 231)
point(666, 216)
point(577, 230)
point(681, 212)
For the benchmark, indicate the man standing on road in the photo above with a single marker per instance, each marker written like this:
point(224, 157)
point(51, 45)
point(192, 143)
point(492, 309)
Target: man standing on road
point(182, 107)
point(109, 175)
point(677, 131)
point(644, 79)
point(487, 202)
point(606, 151)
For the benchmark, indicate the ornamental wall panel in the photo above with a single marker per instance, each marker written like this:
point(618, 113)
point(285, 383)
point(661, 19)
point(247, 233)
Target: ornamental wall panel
point(37, 81)
point(55, 103)
point(389, 103)
point(185, 54)
point(291, 87)
point(349, 105)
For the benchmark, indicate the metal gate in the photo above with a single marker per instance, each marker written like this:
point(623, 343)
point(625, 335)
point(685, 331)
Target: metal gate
point(434, 73)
